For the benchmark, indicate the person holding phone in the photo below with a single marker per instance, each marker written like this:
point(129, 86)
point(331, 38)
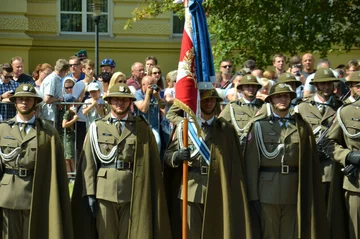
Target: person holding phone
point(7, 89)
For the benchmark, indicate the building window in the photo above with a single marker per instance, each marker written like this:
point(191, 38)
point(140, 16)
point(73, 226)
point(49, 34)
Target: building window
point(178, 25)
point(76, 16)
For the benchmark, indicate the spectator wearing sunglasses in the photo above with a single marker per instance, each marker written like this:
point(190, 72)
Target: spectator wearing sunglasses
point(68, 85)
point(156, 74)
point(119, 77)
point(223, 78)
point(75, 69)
point(7, 89)
point(108, 65)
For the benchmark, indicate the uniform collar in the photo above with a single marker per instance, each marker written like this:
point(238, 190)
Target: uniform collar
point(250, 102)
point(31, 121)
point(352, 99)
point(209, 122)
point(124, 118)
point(317, 100)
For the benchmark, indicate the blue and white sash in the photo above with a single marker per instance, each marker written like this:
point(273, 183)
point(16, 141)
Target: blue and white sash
point(199, 143)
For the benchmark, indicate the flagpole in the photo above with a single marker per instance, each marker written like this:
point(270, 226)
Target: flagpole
point(185, 181)
point(185, 172)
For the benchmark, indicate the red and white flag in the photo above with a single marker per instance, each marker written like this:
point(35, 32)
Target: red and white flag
point(186, 91)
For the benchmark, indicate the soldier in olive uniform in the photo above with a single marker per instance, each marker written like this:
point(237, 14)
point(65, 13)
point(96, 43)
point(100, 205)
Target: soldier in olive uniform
point(319, 111)
point(353, 84)
point(290, 79)
point(121, 175)
point(342, 143)
point(34, 201)
point(239, 113)
point(282, 174)
point(215, 176)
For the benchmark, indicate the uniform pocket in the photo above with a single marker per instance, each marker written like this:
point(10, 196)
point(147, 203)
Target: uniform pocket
point(106, 144)
point(265, 184)
point(271, 141)
point(312, 121)
point(102, 173)
point(6, 179)
point(352, 126)
point(8, 145)
point(129, 149)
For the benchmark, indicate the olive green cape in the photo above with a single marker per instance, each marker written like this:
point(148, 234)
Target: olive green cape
point(311, 216)
point(337, 213)
point(148, 213)
point(226, 213)
point(50, 215)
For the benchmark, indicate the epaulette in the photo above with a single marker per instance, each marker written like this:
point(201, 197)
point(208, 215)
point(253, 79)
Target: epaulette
point(12, 122)
point(97, 119)
point(297, 101)
point(222, 122)
point(237, 102)
point(9, 122)
point(142, 118)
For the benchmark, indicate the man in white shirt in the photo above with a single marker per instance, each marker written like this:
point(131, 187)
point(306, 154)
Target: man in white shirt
point(51, 89)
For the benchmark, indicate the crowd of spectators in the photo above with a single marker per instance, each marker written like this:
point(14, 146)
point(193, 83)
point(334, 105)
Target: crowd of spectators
point(73, 95)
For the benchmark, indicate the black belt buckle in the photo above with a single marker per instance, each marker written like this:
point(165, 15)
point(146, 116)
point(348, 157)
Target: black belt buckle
point(204, 170)
point(120, 164)
point(22, 173)
point(285, 169)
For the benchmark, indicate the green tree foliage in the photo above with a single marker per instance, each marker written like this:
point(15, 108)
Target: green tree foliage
point(261, 28)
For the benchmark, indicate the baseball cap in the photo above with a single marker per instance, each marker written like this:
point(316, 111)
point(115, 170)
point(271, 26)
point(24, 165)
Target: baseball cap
point(93, 87)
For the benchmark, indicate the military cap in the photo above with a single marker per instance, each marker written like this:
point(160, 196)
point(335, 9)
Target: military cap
point(82, 54)
point(120, 90)
point(355, 77)
point(25, 90)
point(250, 80)
point(288, 78)
point(280, 88)
point(206, 94)
point(324, 75)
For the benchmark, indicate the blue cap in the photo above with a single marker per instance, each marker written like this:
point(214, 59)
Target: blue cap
point(108, 62)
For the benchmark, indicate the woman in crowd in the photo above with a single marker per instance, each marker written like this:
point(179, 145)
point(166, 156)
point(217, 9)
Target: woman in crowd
point(119, 77)
point(155, 72)
point(41, 71)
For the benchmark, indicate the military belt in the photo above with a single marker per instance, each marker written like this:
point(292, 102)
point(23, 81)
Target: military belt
point(119, 165)
point(21, 172)
point(289, 169)
point(203, 170)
